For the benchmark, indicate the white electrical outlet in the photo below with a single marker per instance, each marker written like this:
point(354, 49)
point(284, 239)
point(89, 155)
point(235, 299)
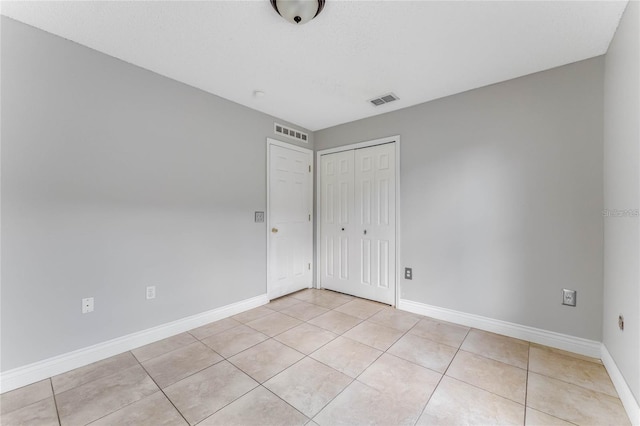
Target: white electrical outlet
point(151, 292)
point(87, 305)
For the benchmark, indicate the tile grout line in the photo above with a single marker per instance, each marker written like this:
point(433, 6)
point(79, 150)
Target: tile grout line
point(526, 385)
point(442, 375)
point(162, 390)
point(55, 402)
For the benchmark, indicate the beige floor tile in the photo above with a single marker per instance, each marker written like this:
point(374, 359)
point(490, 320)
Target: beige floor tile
point(266, 359)
point(176, 365)
point(538, 418)
point(312, 295)
point(154, 410)
point(304, 311)
point(346, 355)
point(573, 403)
point(259, 408)
point(214, 328)
point(88, 373)
point(330, 299)
point(27, 395)
point(457, 403)
point(306, 338)
point(282, 302)
point(494, 376)
point(253, 314)
point(306, 294)
point(441, 332)
point(335, 322)
point(163, 346)
point(204, 393)
point(404, 379)
point(424, 352)
point(360, 404)
point(374, 335)
point(96, 399)
point(393, 318)
point(583, 373)
point(235, 340)
point(41, 413)
point(274, 324)
point(359, 308)
point(567, 353)
point(308, 385)
point(494, 346)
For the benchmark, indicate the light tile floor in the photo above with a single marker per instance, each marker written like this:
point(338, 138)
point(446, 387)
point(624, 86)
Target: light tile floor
point(319, 357)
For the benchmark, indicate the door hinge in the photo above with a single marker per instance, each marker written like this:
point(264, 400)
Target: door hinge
point(309, 168)
point(309, 218)
point(309, 266)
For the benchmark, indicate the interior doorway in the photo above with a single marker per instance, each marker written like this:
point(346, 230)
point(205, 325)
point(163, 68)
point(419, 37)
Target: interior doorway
point(289, 218)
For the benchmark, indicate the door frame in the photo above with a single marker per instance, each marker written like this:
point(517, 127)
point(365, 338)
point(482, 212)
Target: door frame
point(267, 213)
point(389, 139)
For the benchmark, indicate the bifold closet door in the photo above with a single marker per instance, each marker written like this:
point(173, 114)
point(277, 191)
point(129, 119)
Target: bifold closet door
point(358, 247)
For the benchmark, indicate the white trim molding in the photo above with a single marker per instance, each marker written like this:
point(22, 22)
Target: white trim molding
point(31, 373)
point(629, 402)
point(565, 342)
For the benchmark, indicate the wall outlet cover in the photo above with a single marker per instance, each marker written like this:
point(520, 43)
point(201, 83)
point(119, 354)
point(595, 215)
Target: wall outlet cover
point(259, 217)
point(151, 292)
point(408, 273)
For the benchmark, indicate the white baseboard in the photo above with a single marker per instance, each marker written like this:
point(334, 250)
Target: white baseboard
point(31, 373)
point(565, 342)
point(629, 402)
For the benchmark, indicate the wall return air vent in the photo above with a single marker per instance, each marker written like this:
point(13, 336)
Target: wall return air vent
point(288, 132)
point(384, 99)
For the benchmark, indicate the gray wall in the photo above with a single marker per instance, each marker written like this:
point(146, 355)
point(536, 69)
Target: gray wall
point(622, 191)
point(501, 197)
point(115, 178)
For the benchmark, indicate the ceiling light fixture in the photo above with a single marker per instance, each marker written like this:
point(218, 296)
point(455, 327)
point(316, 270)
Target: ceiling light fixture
point(298, 11)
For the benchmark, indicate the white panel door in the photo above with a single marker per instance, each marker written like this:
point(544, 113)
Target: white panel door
point(337, 256)
point(358, 248)
point(289, 220)
point(375, 222)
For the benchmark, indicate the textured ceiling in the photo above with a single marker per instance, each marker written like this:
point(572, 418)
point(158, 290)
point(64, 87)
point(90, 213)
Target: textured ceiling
point(321, 74)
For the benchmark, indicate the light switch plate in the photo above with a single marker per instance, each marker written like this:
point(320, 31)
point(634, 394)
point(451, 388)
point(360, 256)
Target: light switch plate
point(568, 297)
point(259, 217)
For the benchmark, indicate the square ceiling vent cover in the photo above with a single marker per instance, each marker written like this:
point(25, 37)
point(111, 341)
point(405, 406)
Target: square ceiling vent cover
point(288, 132)
point(384, 99)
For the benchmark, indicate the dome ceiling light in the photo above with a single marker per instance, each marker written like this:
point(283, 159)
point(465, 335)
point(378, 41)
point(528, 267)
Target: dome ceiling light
point(298, 11)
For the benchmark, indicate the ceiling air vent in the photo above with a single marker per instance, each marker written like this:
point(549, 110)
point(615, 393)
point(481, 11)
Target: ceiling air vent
point(288, 132)
point(384, 99)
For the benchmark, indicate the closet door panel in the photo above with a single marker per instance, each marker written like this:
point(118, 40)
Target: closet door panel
point(337, 207)
point(375, 207)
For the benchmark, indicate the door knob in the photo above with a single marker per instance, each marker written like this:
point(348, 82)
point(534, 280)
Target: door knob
point(274, 230)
